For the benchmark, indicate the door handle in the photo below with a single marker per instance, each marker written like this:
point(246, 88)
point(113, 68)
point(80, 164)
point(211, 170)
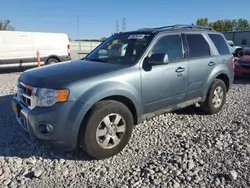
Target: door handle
point(211, 63)
point(180, 69)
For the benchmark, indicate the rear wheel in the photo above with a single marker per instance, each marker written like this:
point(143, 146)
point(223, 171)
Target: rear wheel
point(107, 130)
point(52, 61)
point(216, 97)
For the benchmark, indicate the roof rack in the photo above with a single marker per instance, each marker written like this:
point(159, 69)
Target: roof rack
point(179, 26)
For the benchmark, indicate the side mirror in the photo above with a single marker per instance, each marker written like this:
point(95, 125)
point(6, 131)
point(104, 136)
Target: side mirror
point(158, 59)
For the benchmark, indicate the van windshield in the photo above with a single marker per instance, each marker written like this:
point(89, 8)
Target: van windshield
point(123, 48)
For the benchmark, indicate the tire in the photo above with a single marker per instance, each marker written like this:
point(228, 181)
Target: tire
point(88, 139)
point(239, 52)
point(52, 61)
point(208, 105)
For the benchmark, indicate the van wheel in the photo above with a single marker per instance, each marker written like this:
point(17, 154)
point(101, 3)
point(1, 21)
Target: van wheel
point(52, 61)
point(107, 130)
point(216, 97)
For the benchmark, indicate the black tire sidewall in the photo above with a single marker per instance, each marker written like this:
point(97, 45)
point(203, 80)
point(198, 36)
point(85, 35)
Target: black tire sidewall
point(209, 103)
point(238, 52)
point(91, 146)
point(52, 60)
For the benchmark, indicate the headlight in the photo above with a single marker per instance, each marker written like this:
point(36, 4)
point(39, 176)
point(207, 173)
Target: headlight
point(48, 97)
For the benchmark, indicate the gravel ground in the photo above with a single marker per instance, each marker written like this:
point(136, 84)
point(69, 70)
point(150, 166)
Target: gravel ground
point(180, 149)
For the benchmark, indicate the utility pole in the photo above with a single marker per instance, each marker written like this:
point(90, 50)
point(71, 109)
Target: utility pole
point(78, 33)
point(117, 26)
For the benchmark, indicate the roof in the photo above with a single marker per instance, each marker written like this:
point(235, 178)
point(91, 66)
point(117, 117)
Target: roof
point(174, 28)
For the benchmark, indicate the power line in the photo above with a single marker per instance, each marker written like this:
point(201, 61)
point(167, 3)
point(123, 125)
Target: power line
point(117, 26)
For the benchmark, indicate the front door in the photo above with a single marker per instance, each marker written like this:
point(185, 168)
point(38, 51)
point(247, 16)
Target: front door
point(165, 85)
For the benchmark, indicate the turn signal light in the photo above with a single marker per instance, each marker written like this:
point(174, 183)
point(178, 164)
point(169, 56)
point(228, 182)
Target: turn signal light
point(62, 95)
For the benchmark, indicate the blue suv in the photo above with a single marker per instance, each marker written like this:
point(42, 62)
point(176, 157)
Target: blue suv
point(94, 103)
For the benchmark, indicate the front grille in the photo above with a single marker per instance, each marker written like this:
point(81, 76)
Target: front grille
point(25, 93)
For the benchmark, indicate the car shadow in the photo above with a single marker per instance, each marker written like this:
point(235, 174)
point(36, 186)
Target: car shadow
point(16, 142)
point(190, 110)
point(15, 70)
point(242, 81)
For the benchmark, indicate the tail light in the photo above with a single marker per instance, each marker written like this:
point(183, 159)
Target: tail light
point(68, 48)
point(120, 49)
point(233, 63)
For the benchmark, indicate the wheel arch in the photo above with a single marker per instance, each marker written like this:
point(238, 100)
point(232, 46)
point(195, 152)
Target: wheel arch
point(85, 112)
point(122, 99)
point(52, 57)
point(117, 91)
point(222, 75)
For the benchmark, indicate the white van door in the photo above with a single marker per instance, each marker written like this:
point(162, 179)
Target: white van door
point(1, 43)
point(16, 49)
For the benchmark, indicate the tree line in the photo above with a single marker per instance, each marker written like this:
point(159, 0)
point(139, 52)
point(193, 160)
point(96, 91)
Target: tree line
point(219, 25)
point(225, 25)
point(6, 25)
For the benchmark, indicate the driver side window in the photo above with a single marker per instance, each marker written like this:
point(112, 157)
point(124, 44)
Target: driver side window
point(170, 45)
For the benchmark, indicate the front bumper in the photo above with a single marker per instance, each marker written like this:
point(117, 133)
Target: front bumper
point(242, 72)
point(60, 118)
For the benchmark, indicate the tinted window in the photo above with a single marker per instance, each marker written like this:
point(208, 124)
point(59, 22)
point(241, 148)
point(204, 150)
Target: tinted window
point(198, 46)
point(220, 44)
point(170, 45)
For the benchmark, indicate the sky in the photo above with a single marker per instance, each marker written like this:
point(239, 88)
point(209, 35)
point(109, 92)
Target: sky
point(97, 18)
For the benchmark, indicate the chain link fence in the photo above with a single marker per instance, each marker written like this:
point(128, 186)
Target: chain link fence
point(83, 46)
point(80, 49)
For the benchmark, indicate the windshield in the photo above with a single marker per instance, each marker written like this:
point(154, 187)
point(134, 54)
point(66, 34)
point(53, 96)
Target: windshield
point(121, 48)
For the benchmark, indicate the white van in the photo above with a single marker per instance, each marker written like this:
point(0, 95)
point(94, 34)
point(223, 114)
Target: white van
point(19, 49)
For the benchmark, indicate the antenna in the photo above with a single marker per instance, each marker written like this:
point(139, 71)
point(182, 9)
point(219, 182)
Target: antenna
point(117, 26)
point(123, 25)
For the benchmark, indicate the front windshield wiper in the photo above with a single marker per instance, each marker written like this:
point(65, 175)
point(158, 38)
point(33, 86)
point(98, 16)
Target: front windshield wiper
point(96, 59)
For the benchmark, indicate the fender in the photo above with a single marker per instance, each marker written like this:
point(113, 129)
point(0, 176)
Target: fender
point(218, 70)
point(104, 90)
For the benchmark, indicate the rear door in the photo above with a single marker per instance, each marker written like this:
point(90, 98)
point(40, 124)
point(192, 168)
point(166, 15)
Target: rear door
point(224, 54)
point(201, 63)
point(1, 51)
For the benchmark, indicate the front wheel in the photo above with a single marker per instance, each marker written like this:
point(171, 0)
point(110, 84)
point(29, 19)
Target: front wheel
point(107, 130)
point(216, 97)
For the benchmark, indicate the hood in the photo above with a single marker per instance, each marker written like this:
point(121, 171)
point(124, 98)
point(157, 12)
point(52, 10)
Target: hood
point(60, 74)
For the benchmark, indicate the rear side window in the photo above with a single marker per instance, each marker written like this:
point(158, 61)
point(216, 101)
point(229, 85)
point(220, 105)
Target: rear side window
point(198, 46)
point(220, 44)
